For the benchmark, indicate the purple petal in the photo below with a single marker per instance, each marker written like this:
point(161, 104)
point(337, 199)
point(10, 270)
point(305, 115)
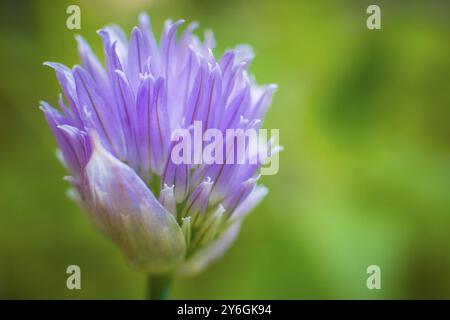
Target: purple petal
point(263, 101)
point(159, 128)
point(65, 79)
point(167, 199)
point(72, 142)
point(236, 109)
point(145, 27)
point(92, 65)
point(143, 103)
point(127, 114)
point(177, 175)
point(168, 46)
point(138, 54)
point(193, 108)
point(199, 198)
point(239, 195)
point(253, 199)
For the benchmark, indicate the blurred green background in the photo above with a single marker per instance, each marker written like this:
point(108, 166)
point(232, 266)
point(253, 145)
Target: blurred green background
point(364, 178)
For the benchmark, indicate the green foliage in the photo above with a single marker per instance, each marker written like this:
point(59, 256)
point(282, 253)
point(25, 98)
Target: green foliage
point(364, 178)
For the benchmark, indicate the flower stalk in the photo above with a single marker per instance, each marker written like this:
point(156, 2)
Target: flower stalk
point(159, 286)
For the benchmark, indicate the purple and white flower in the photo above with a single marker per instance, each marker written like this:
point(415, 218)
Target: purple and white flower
point(114, 131)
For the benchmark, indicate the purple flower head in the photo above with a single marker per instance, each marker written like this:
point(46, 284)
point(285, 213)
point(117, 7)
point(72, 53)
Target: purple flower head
point(115, 132)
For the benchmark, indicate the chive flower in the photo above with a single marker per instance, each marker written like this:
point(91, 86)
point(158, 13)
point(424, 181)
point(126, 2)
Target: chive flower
point(114, 128)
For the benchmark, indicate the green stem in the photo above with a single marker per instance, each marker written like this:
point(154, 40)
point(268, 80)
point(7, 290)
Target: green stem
point(160, 286)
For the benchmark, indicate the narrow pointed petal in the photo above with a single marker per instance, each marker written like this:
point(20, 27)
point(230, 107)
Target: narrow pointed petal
point(143, 104)
point(253, 199)
point(91, 63)
point(210, 41)
point(167, 199)
point(159, 128)
point(71, 141)
point(244, 53)
point(127, 115)
point(168, 46)
point(146, 29)
point(196, 97)
point(236, 109)
point(180, 88)
point(264, 100)
point(198, 200)
point(184, 44)
point(79, 144)
point(67, 83)
point(138, 54)
point(114, 35)
point(179, 176)
point(213, 112)
point(239, 194)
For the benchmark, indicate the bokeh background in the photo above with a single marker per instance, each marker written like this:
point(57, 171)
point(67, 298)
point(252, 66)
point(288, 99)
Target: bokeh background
point(364, 178)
